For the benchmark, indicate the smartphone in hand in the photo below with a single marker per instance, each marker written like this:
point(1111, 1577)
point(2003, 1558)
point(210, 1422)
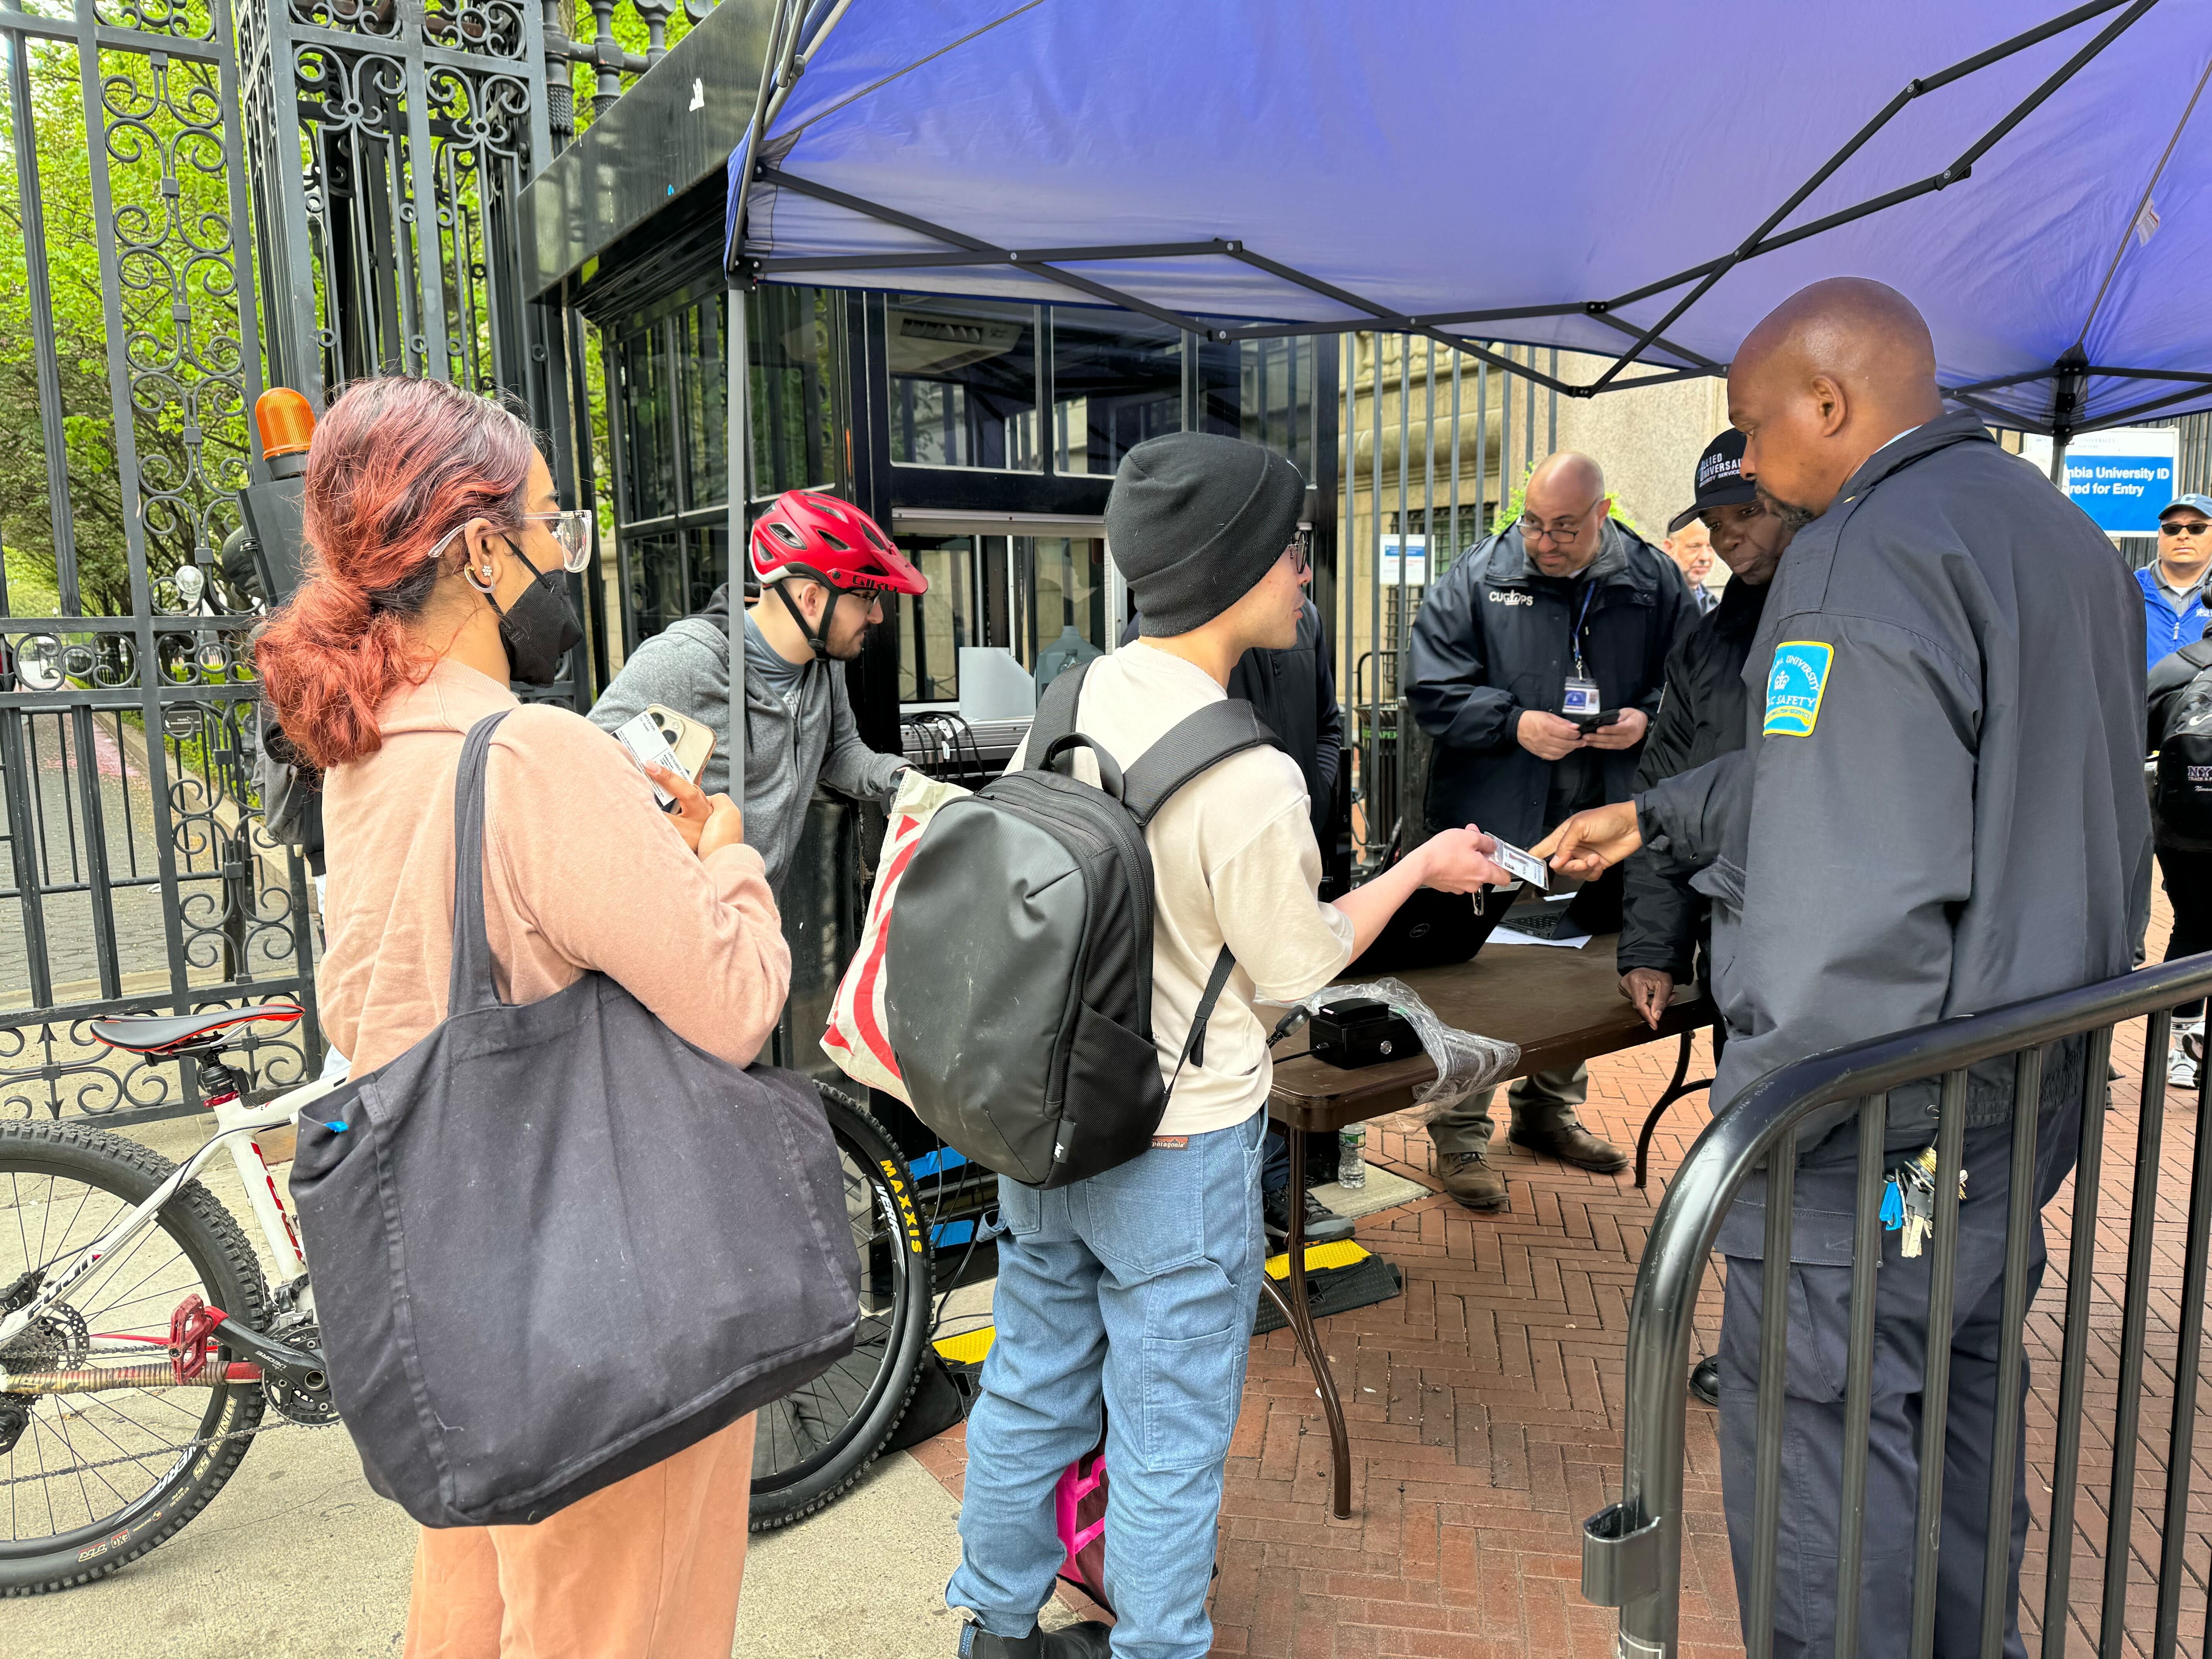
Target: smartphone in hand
point(661, 736)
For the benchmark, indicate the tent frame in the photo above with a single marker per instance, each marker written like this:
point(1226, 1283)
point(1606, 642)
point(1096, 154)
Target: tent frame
point(792, 44)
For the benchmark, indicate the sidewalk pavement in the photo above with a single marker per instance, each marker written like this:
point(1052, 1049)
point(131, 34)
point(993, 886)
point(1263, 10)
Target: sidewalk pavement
point(1484, 1406)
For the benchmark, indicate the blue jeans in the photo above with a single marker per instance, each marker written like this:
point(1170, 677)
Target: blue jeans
point(1134, 1290)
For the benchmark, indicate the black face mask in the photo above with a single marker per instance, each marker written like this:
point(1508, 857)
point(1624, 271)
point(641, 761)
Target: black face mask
point(540, 628)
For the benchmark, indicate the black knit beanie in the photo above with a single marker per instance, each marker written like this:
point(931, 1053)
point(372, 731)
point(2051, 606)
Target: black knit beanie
point(1195, 521)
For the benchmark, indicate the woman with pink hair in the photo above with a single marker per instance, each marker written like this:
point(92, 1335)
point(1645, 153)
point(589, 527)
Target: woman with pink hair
point(437, 578)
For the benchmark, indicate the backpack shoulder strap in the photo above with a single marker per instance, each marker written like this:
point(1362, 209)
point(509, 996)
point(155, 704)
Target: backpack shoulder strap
point(1194, 1046)
point(1191, 746)
point(1055, 715)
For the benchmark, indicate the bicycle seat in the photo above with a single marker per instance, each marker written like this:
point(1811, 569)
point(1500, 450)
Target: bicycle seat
point(157, 1034)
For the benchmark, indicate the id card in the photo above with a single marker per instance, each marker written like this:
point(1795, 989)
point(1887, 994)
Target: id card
point(642, 736)
point(1527, 865)
point(1581, 701)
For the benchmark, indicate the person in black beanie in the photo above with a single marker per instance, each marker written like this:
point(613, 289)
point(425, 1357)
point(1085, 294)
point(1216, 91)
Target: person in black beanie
point(1132, 1290)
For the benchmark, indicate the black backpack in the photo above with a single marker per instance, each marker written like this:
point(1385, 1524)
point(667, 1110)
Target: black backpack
point(1019, 986)
point(2181, 798)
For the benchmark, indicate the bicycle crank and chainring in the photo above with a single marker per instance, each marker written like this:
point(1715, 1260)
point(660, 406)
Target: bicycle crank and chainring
point(303, 1398)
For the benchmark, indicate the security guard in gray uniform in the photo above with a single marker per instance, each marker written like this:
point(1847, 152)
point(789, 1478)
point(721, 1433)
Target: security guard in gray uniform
point(1940, 810)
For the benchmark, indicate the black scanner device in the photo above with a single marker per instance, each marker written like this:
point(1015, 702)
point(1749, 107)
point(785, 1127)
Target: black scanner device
point(1355, 1031)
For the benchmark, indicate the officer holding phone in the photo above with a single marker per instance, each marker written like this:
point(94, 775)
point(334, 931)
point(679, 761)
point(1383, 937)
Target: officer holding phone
point(1537, 664)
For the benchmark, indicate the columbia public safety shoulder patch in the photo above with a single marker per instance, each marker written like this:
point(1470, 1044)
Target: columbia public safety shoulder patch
point(1800, 675)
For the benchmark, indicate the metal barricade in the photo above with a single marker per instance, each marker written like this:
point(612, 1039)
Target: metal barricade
point(1632, 1549)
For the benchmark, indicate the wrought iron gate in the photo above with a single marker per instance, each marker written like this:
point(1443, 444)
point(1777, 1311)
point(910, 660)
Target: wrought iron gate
point(325, 187)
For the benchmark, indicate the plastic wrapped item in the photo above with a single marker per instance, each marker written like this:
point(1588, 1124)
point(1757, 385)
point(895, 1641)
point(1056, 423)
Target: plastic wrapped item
point(1465, 1062)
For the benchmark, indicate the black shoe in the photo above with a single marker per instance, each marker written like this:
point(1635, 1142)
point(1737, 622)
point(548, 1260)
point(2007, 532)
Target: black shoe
point(1088, 1640)
point(1705, 1380)
point(1572, 1144)
point(1323, 1225)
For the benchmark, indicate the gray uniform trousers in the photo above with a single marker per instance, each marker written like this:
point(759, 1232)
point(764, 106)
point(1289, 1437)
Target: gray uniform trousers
point(1541, 1100)
point(1813, 1445)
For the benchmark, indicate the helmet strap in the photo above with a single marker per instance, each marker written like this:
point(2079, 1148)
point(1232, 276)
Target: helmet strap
point(816, 637)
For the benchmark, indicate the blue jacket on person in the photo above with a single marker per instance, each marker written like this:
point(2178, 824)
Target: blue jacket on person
point(2164, 630)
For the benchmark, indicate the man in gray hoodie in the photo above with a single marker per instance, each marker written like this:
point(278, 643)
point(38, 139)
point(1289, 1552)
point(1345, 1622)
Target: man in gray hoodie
point(819, 597)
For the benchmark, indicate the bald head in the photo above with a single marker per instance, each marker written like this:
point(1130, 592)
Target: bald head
point(1564, 512)
point(1829, 376)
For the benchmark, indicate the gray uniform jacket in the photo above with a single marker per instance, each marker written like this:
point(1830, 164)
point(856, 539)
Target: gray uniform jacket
point(1940, 807)
point(687, 668)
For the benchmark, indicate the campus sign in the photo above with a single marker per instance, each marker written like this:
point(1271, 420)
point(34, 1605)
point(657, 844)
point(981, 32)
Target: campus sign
point(2120, 476)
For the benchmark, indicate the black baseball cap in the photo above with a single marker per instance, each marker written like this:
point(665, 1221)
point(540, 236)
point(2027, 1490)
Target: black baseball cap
point(1720, 479)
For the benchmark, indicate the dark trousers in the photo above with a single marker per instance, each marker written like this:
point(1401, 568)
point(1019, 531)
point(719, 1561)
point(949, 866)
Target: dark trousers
point(1819, 1311)
point(2187, 879)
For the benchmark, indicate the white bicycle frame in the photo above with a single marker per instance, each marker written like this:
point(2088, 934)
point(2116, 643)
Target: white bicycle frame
point(237, 1129)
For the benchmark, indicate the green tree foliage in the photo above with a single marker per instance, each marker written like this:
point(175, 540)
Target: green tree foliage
point(176, 242)
point(1517, 499)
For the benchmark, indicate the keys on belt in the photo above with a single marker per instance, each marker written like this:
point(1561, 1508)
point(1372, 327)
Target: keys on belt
point(1908, 1203)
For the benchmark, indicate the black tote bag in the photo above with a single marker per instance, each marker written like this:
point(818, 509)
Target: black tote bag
point(554, 1244)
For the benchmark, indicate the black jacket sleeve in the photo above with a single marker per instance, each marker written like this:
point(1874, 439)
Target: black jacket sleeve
point(1447, 677)
point(1677, 616)
point(1659, 911)
point(1328, 720)
point(2170, 676)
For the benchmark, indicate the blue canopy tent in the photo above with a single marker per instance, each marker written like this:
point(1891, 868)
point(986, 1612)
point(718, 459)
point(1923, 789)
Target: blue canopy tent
point(1606, 176)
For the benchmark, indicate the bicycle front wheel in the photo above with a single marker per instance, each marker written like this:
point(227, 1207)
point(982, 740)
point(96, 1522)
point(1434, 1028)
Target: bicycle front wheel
point(813, 1443)
point(90, 1481)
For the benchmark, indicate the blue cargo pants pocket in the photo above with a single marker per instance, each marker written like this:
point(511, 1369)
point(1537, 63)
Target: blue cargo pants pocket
point(1191, 1387)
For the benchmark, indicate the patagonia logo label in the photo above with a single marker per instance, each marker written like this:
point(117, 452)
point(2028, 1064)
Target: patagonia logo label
point(1794, 687)
point(1169, 1143)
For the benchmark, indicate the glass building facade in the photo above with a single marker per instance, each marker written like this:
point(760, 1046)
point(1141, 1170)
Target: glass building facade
point(983, 434)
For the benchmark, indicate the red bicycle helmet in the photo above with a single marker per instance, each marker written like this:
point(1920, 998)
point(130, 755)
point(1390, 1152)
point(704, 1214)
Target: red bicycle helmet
point(818, 537)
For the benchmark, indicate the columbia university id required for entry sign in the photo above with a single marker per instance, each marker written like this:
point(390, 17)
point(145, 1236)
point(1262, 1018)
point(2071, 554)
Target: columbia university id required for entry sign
point(2120, 477)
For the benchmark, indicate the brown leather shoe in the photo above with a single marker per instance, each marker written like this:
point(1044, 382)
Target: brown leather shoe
point(1468, 1177)
point(1572, 1144)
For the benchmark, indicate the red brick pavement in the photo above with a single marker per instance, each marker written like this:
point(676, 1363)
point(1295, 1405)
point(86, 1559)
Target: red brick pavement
point(1485, 1407)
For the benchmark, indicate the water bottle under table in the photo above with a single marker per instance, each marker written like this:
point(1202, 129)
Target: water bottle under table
point(1352, 1156)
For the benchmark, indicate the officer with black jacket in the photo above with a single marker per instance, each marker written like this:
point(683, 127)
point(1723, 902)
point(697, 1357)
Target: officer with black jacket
point(1663, 925)
point(1938, 810)
point(2177, 831)
point(1666, 935)
point(1566, 607)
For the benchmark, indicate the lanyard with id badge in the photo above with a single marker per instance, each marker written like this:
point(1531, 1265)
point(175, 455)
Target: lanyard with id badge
point(1581, 703)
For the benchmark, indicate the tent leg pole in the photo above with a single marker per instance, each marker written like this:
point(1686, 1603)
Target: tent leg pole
point(740, 486)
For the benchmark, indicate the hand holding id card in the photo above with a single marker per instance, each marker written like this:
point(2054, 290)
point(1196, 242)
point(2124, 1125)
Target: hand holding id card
point(1525, 865)
point(660, 737)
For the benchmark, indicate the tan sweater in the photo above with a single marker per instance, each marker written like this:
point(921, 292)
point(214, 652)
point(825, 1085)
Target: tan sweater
point(581, 871)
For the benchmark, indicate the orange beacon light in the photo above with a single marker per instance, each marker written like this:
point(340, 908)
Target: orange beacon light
point(287, 423)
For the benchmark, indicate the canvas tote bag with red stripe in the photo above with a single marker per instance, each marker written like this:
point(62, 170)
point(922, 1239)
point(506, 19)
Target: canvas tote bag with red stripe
point(857, 1040)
